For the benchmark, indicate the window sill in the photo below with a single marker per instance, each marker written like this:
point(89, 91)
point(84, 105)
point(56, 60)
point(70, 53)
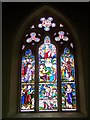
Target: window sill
point(49, 115)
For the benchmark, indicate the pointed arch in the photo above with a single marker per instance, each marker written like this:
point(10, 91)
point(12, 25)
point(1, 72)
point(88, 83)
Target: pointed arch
point(15, 55)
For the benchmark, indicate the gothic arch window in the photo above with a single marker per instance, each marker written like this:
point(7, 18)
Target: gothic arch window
point(48, 79)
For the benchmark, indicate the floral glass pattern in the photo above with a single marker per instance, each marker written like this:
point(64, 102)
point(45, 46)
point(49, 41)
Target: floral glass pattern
point(27, 81)
point(61, 36)
point(46, 23)
point(47, 76)
point(32, 38)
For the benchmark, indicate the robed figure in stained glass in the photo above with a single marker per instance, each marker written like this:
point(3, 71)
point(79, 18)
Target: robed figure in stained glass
point(69, 96)
point(47, 76)
point(27, 81)
point(68, 87)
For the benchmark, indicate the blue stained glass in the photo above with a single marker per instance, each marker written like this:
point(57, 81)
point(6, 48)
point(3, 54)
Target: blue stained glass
point(28, 52)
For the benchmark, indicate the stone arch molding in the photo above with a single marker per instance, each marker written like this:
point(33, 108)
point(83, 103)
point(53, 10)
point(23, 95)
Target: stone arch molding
point(13, 96)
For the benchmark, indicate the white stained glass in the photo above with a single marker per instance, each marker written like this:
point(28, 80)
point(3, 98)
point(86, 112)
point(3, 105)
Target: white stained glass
point(32, 43)
point(68, 109)
point(50, 18)
point(67, 33)
point(23, 46)
point(28, 40)
point(46, 28)
point(61, 32)
point(39, 34)
point(42, 19)
point(54, 33)
point(32, 34)
point(32, 26)
point(65, 38)
point(40, 25)
point(53, 24)
point(61, 42)
point(26, 110)
point(71, 44)
point(57, 39)
point(37, 40)
point(61, 25)
point(26, 35)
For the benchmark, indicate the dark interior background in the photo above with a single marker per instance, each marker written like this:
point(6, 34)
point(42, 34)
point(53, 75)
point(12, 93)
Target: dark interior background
point(12, 16)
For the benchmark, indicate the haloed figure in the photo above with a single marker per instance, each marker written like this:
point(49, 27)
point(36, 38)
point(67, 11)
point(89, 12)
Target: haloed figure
point(69, 96)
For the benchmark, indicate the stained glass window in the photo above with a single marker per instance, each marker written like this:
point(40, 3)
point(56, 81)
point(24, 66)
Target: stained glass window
point(47, 76)
point(68, 87)
point(55, 74)
point(27, 81)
